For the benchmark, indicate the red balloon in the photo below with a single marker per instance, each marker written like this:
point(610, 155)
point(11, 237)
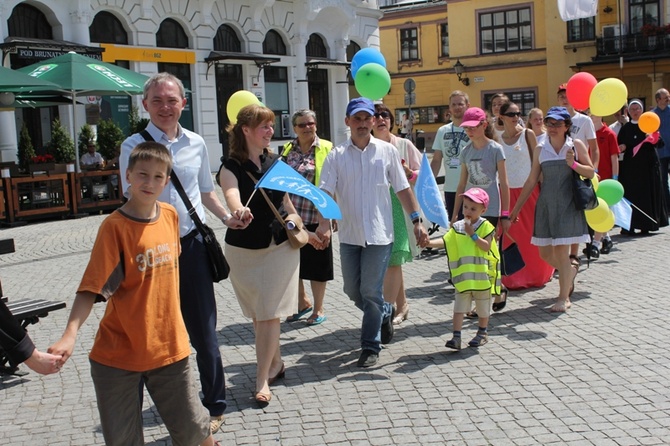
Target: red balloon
point(579, 89)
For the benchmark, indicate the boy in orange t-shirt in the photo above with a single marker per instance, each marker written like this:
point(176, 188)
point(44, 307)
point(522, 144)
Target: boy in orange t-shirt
point(141, 339)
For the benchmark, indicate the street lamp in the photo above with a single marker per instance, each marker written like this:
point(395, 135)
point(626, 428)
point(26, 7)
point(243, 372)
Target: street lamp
point(459, 68)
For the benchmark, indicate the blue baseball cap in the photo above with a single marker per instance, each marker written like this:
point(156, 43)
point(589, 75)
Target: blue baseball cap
point(360, 104)
point(557, 113)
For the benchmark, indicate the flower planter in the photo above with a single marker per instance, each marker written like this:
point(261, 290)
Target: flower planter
point(42, 168)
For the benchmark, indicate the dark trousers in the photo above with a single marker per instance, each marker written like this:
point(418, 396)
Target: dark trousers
point(198, 308)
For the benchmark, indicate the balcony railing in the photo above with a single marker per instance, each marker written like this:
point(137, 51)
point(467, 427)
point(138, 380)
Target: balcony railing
point(635, 44)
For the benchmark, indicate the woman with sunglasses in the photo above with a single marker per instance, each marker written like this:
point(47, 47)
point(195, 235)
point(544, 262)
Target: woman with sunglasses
point(306, 155)
point(483, 166)
point(558, 223)
point(404, 243)
point(518, 144)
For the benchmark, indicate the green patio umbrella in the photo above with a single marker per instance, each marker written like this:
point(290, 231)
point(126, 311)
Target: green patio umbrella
point(15, 81)
point(78, 75)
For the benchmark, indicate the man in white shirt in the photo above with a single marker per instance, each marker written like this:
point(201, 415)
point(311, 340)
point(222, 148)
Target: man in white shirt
point(449, 142)
point(92, 159)
point(358, 173)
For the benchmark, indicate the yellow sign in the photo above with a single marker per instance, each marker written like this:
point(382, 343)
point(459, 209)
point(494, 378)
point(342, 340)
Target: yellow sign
point(144, 54)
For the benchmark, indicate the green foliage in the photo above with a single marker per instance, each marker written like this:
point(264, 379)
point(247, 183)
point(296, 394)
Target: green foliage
point(110, 136)
point(26, 150)
point(61, 145)
point(86, 137)
point(136, 123)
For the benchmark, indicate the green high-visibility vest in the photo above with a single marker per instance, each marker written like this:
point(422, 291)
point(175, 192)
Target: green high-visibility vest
point(320, 153)
point(473, 269)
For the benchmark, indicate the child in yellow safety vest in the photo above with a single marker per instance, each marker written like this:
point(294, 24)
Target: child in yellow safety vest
point(473, 260)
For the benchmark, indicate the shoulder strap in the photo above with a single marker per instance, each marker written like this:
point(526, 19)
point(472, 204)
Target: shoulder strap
point(272, 206)
point(146, 135)
point(191, 210)
point(530, 149)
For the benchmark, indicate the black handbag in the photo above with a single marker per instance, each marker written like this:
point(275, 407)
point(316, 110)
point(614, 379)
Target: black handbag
point(217, 260)
point(583, 192)
point(511, 259)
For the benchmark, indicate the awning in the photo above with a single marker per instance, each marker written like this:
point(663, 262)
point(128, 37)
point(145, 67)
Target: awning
point(33, 50)
point(316, 63)
point(259, 59)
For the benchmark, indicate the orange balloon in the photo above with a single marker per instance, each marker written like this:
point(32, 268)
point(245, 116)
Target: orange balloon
point(649, 122)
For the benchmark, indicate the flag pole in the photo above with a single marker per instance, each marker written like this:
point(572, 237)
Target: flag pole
point(642, 212)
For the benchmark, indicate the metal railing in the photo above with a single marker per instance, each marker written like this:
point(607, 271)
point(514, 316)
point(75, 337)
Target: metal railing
point(632, 44)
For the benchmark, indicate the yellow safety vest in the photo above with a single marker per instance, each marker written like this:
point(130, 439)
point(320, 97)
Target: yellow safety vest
point(473, 269)
point(320, 153)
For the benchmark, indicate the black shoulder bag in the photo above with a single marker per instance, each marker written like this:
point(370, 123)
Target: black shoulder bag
point(583, 192)
point(217, 260)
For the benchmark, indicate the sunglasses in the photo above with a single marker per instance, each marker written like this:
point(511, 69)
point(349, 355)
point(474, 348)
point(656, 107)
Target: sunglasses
point(512, 114)
point(383, 114)
point(306, 124)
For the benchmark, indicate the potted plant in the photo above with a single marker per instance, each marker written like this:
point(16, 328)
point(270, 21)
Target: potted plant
point(110, 137)
point(41, 163)
point(86, 138)
point(137, 124)
point(61, 145)
point(26, 150)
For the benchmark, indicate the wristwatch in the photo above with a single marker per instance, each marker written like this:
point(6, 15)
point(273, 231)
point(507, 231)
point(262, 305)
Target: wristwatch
point(226, 218)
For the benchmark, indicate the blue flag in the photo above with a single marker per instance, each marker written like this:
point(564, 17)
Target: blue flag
point(284, 178)
point(622, 213)
point(429, 197)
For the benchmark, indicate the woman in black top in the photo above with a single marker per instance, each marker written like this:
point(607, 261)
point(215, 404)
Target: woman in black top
point(263, 266)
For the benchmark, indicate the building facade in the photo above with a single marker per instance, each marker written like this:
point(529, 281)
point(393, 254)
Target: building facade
point(522, 48)
point(291, 54)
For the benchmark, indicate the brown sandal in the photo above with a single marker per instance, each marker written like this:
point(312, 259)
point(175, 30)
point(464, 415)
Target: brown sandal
point(262, 399)
point(574, 260)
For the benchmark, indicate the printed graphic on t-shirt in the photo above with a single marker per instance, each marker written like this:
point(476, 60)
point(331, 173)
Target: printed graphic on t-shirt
point(155, 257)
point(477, 175)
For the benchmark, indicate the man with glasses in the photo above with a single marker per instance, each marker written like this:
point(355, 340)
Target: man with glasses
point(663, 112)
point(449, 141)
point(358, 173)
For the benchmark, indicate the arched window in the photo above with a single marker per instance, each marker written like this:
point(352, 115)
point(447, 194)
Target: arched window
point(352, 49)
point(106, 28)
point(226, 40)
point(28, 21)
point(315, 47)
point(274, 44)
point(171, 35)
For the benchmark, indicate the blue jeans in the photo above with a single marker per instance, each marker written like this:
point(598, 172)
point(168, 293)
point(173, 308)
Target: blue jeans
point(665, 168)
point(363, 270)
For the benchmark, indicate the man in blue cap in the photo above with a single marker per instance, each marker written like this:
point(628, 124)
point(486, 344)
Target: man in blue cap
point(359, 173)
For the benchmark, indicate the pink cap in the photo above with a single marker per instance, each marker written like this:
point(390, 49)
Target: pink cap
point(477, 195)
point(473, 116)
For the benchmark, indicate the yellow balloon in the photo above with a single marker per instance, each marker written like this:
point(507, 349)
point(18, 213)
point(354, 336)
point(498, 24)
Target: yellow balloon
point(608, 96)
point(599, 214)
point(237, 102)
point(595, 182)
point(606, 224)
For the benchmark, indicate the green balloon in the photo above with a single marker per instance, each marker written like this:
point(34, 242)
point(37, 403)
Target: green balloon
point(372, 81)
point(611, 191)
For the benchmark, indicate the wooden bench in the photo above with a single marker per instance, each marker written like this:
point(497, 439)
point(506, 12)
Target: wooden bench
point(25, 311)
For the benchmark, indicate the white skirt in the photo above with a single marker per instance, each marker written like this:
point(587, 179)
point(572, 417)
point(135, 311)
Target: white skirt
point(265, 280)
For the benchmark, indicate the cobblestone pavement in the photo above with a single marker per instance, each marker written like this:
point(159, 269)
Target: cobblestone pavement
point(597, 375)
